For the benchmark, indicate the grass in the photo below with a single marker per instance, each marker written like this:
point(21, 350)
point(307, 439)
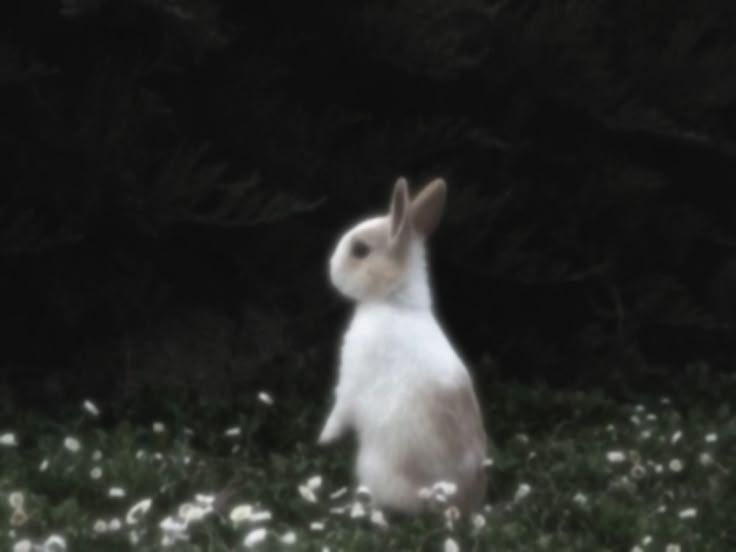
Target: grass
point(571, 471)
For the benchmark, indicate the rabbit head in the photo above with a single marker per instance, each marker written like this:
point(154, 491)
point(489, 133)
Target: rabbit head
point(382, 258)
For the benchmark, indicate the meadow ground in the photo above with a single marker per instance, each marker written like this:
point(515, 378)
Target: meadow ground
point(570, 471)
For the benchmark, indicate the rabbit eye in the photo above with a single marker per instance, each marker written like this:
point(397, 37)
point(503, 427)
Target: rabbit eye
point(360, 250)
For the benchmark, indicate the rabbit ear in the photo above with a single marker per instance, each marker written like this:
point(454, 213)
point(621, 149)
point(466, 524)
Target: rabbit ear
point(399, 227)
point(428, 206)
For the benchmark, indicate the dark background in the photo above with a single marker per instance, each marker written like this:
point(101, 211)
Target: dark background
point(175, 173)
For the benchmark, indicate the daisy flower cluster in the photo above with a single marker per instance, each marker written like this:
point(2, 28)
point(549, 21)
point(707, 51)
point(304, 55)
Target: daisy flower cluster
point(647, 477)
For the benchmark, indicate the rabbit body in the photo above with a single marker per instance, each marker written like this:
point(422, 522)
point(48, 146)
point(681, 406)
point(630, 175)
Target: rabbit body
point(406, 393)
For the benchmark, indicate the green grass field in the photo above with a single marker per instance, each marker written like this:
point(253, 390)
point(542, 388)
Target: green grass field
point(570, 471)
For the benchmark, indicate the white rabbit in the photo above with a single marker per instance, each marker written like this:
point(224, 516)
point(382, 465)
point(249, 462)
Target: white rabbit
point(401, 386)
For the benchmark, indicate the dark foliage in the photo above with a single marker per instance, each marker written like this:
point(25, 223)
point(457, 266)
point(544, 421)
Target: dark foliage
point(175, 171)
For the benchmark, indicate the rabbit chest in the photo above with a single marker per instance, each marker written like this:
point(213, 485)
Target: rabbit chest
point(390, 358)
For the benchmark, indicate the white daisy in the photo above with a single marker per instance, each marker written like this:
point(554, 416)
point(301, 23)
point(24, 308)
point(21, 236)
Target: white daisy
point(307, 494)
point(91, 408)
point(451, 545)
point(357, 510)
point(232, 431)
point(687, 513)
point(16, 500)
point(193, 512)
point(114, 525)
point(363, 493)
point(265, 398)
point(55, 543)
point(255, 537)
point(288, 538)
point(241, 513)
point(478, 521)
point(314, 482)
point(72, 444)
point(522, 491)
point(171, 539)
point(339, 493)
point(615, 456)
point(260, 517)
point(205, 499)
point(705, 459)
point(447, 488)
point(137, 511)
point(23, 546)
point(452, 514)
point(8, 440)
point(378, 519)
point(116, 492)
point(171, 524)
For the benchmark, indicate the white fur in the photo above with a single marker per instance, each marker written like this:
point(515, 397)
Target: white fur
point(393, 353)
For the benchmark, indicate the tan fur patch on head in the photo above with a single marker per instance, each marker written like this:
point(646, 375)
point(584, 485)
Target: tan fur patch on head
point(383, 267)
point(375, 235)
